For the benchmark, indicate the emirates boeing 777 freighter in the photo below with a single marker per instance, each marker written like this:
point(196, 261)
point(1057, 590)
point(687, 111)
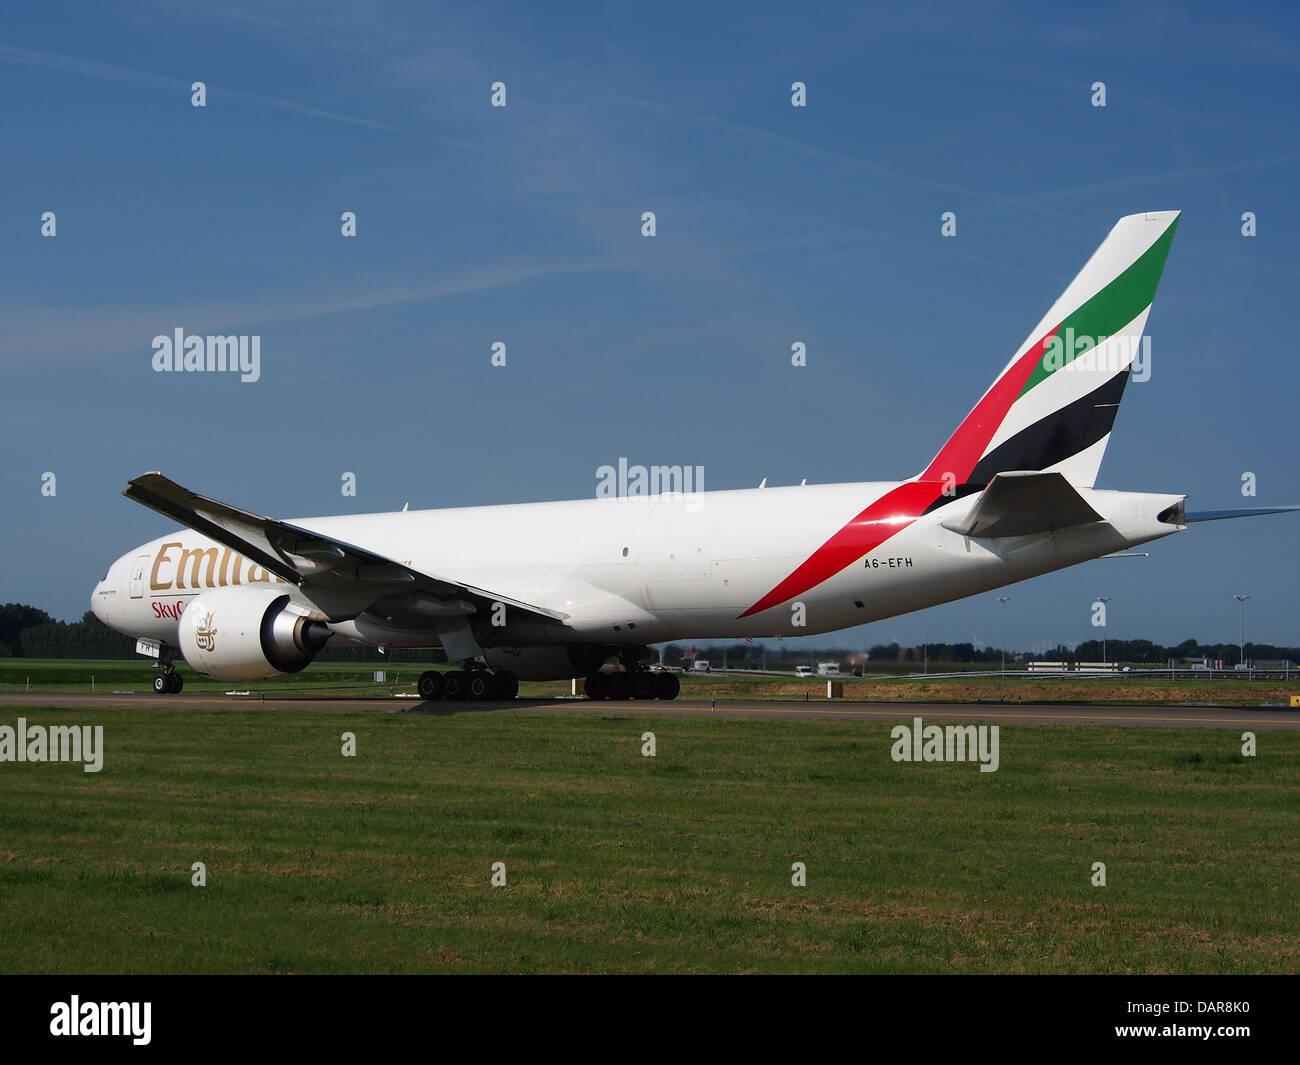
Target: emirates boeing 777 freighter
point(554, 590)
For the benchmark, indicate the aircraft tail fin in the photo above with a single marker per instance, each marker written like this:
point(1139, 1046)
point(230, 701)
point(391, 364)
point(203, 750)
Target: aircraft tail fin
point(1054, 403)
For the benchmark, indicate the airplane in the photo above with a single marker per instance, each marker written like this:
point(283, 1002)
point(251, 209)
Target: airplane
point(545, 591)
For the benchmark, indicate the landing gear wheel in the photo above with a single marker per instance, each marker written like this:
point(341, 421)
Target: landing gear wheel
point(481, 685)
point(597, 686)
point(507, 685)
point(643, 685)
point(454, 684)
point(667, 686)
point(620, 686)
point(429, 686)
point(175, 682)
point(160, 683)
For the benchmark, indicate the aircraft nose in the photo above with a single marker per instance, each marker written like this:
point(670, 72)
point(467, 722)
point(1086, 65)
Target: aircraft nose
point(101, 599)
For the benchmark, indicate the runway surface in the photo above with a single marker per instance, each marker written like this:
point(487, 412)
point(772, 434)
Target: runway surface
point(1002, 713)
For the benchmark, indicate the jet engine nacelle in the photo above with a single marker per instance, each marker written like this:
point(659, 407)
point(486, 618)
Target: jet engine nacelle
point(248, 633)
point(549, 663)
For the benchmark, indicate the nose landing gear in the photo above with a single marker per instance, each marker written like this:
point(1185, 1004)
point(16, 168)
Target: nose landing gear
point(167, 681)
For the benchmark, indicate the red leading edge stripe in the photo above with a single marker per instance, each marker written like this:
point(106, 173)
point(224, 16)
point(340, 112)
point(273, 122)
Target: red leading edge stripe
point(900, 507)
point(967, 445)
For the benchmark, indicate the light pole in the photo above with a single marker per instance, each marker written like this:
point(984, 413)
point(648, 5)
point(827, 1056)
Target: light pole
point(1241, 647)
point(1103, 600)
point(1003, 600)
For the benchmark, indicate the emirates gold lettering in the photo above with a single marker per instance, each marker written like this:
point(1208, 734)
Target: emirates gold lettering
point(195, 556)
point(223, 569)
point(154, 583)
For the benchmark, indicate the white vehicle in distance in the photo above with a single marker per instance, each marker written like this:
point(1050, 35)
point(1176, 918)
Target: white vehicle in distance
point(828, 669)
point(803, 671)
point(702, 665)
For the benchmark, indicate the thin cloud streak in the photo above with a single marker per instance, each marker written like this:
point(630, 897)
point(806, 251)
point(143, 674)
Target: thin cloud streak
point(145, 79)
point(826, 155)
point(50, 334)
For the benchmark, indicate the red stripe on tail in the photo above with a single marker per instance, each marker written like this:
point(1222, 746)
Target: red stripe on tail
point(898, 508)
point(967, 445)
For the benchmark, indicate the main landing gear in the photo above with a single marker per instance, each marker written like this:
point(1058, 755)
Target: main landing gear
point(473, 682)
point(634, 680)
point(637, 684)
point(167, 681)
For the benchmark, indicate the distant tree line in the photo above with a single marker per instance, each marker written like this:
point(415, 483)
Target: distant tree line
point(1129, 652)
point(27, 632)
point(894, 656)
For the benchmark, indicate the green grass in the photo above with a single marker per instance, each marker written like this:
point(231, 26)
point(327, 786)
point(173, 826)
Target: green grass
point(67, 674)
point(357, 679)
point(615, 862)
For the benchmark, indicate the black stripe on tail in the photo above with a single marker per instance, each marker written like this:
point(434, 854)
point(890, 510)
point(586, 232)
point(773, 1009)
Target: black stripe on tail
point(1059, 436)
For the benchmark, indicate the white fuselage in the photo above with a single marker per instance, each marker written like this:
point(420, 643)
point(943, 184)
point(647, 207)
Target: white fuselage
point(650, 569)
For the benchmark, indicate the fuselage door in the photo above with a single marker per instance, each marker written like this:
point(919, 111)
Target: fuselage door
point(138, 569)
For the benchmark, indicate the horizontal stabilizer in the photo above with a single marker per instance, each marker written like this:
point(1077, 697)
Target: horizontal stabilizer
point(1218, 515)
point(1023, 502)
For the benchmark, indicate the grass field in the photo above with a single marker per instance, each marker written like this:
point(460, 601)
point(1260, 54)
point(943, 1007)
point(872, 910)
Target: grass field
point(617, 862)
point(358, 679)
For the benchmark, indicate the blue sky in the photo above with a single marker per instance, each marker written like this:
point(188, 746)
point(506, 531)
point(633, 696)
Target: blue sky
point(775, 224)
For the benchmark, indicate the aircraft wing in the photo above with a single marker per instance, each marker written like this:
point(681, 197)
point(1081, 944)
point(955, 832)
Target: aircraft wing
point(1021, 502)
point(341, 578)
